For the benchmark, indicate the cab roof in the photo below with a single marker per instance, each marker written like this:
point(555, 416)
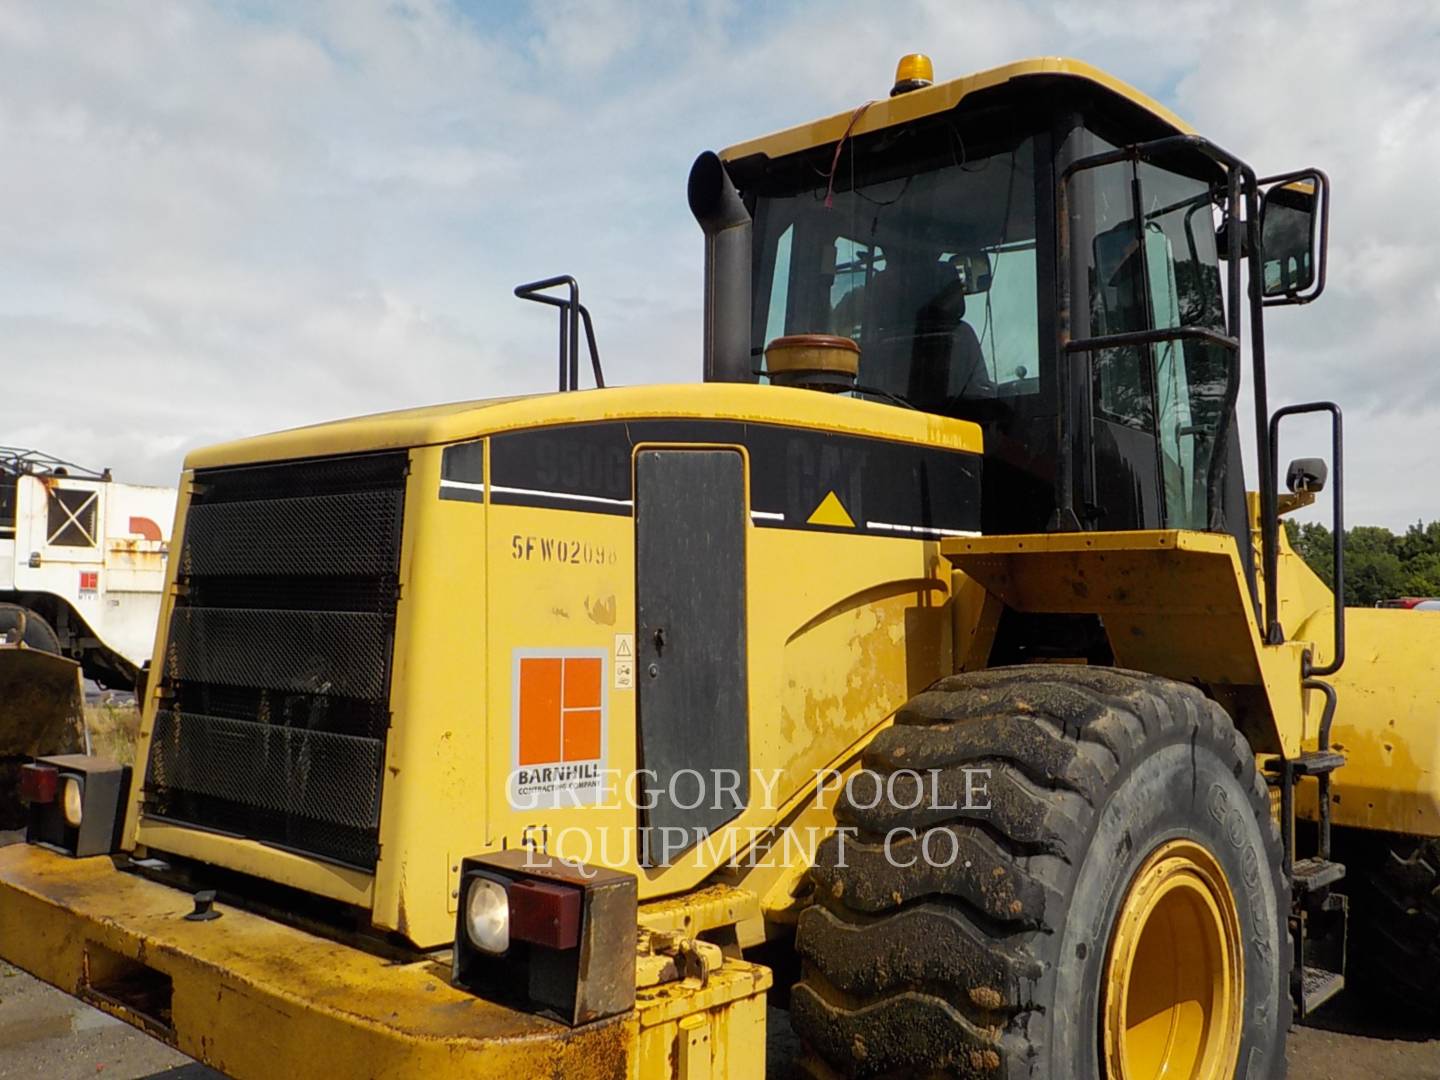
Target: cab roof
point(941, 97)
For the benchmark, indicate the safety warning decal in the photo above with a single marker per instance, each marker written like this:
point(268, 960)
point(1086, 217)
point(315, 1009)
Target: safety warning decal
point(558, 735)
point(832, 512)
point(624, 661)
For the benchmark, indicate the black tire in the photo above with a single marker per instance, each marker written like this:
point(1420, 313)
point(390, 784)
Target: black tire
point(993, 968)
point(39, 634)
point(1395, 925)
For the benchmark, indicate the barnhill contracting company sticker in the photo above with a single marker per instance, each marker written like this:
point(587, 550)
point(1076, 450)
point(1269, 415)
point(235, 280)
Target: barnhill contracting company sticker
point(558, 732)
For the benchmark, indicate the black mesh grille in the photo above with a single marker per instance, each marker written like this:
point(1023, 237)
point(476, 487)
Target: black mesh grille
point(295, 652)
point(315, 534)
point(279, 655)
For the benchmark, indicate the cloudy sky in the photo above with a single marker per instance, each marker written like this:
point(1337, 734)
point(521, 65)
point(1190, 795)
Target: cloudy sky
point(230, 217)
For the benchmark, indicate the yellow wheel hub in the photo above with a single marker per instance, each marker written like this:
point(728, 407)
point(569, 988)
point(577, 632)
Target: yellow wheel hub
point(1174, 990)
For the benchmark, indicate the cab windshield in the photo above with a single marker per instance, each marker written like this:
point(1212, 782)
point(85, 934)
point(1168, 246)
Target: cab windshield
point(933, 274)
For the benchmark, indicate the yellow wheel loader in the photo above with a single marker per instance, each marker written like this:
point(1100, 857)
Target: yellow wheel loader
point(42, 703)
point(928, 660)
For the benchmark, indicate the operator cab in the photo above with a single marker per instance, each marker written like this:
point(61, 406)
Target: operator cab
point(967, 236)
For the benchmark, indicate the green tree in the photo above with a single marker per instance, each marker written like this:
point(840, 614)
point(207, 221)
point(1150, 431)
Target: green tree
point(1422, 575)
point(1419, 540)
point(1378, 564)
point(1312, 543)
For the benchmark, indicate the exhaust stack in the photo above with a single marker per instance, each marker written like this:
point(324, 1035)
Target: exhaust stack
point(722, 215)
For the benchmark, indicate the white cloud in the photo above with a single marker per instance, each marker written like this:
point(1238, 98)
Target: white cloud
point(229, 218)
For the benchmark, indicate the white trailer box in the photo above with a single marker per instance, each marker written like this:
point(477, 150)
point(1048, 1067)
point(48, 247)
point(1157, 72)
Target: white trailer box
point(86, 555)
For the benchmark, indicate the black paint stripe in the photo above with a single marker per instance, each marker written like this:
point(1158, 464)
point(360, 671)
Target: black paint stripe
point(459, 494)
point(879, 482)
point(464, 462)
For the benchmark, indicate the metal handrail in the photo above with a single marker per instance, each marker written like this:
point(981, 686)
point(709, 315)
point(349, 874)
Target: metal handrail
point(19, 461)
point(1275, 633)
point(572, 314)
point(1152, 337)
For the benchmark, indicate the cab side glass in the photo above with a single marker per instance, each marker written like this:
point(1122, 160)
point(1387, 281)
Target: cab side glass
point(1290, 219)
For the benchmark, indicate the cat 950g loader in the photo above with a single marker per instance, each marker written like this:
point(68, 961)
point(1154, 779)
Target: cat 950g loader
point(930, 655)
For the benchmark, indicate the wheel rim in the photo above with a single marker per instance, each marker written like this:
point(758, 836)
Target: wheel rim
point(1174, 985)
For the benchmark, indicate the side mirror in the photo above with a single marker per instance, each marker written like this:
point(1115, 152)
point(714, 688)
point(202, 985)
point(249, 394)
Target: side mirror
point(1294, 231)
point(1307, 474)
point(973, 270)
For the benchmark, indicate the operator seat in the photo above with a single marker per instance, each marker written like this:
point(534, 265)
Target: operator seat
point(947, 361)
point(921, 346)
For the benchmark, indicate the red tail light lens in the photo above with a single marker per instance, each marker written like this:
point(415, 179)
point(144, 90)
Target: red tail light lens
point(545, 914)
point(39, 783)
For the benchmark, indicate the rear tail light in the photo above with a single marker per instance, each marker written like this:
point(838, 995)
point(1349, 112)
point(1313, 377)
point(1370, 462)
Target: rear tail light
point(561, 943)
point(39, 783)
point(76, 803)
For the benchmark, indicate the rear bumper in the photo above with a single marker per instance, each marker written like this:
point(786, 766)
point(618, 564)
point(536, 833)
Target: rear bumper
point(255, 998)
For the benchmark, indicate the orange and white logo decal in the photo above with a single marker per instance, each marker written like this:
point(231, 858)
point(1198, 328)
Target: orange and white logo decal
point(559, 728)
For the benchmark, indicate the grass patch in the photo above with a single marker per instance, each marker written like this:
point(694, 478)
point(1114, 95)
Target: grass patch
point(113, 730)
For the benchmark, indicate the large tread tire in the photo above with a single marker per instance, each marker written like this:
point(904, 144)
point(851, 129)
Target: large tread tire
point(990, 967)
point(1396, 925)
point(39, 634)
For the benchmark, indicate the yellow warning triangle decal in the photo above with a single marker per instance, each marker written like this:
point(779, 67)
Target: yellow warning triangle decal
point(830, 512)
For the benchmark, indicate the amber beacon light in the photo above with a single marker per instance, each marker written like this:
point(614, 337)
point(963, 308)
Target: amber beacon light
point(914, 72)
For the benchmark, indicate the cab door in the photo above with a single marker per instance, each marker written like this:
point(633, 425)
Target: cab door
point(1155, 414)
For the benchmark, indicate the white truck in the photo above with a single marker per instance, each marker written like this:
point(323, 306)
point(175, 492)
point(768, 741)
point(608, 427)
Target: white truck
point(82, 563)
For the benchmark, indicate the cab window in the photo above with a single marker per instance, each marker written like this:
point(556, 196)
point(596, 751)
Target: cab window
point(932, 273)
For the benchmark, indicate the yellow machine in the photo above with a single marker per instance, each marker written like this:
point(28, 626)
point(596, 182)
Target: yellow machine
point(42, 711)
point(930, 648)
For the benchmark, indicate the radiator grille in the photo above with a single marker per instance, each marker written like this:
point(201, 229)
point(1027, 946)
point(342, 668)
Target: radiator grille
point(277, 669)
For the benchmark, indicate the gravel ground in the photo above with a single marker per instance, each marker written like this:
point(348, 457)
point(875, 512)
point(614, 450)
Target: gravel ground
point(1351, 1039)
point(44, 1032)
point(1331, 1052)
